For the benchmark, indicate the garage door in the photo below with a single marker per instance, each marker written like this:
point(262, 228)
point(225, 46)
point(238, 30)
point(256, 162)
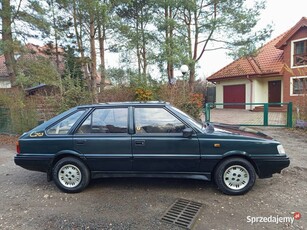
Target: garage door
point(234, 94)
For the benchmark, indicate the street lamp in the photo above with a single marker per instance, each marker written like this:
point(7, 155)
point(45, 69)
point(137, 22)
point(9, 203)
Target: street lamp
point(184, 69)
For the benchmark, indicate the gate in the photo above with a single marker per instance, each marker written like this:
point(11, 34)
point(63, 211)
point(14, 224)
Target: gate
point(263, 114)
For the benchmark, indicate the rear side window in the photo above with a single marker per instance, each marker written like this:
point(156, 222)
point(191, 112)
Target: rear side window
point(64, 126)
point(113, 120)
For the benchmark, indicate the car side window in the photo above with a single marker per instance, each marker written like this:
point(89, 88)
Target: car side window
point(106, 121)
point(156, 120)
point(64, 126)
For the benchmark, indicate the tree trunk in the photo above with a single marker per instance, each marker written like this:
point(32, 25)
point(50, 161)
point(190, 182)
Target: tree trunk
point(93, 63)
point(144, 58)
point(138, 54)
point(169, 32)
point(192, 76)
point(102, 37)
point(188, 22)
point(7, 39)
point(56, 48)
point(168, 68)
point(171, 35)
point(80, 45)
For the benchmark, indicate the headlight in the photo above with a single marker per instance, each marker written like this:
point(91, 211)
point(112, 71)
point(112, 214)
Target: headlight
point(281, 149)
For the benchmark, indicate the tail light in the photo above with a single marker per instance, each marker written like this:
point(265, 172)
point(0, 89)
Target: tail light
point(17, 147)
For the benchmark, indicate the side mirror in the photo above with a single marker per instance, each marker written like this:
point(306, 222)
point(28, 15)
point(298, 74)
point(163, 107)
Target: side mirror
point(187, 132)
point(209, 127)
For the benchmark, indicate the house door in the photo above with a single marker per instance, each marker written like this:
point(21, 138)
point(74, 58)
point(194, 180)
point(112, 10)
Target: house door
point(275, 92)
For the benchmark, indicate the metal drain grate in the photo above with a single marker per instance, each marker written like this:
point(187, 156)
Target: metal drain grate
point(182, 213)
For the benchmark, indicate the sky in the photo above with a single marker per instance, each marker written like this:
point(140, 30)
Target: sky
point(282, 14)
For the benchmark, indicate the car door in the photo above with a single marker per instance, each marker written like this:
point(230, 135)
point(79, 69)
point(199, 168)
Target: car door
point(158, 144)
point(104, 141)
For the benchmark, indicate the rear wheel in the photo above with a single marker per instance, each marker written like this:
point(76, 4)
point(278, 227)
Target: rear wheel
point(71, 175)
point(235, 176)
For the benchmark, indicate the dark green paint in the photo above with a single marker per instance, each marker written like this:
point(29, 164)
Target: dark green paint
point(156, 155)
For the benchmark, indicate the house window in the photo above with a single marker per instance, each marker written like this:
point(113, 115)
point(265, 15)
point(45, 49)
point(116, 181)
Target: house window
point(300, 53)
point(298, 85)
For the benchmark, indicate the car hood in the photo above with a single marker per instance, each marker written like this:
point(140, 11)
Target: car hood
point(239, 130)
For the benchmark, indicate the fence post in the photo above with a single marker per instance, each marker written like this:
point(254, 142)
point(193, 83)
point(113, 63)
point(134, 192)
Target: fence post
point(289, 115)
point(266, 114)
point(207, 112)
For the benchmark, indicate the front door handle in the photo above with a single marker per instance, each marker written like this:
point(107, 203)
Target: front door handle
point(139, 143)
point(80, 142)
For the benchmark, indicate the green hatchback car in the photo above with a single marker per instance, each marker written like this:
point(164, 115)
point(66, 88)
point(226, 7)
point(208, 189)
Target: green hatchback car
point(146, 139)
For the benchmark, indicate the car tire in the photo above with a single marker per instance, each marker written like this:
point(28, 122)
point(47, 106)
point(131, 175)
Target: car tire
point(71, 175)
point(235, 176)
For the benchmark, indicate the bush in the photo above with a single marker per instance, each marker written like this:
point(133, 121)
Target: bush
point(22, 115)
point(116, 94)
point(179, 96)
point(143, 94)
point(73, 94)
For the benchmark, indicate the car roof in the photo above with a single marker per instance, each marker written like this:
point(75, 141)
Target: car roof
point(126, 103)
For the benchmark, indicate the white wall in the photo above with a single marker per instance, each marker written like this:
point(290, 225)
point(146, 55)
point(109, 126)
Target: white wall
point(5, 84)
point(261, 89)
point(258, 87)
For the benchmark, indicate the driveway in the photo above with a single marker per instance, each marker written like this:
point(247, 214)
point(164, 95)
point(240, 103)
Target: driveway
point(29, 202)
point(242, 116)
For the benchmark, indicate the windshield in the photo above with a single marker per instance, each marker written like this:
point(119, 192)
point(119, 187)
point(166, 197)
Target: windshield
point(190, 119)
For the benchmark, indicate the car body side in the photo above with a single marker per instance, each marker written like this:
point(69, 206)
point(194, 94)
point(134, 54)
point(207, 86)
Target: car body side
point(166, 155)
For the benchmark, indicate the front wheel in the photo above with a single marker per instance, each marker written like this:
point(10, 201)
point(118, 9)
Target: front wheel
point(71, 175)
point(235, 176)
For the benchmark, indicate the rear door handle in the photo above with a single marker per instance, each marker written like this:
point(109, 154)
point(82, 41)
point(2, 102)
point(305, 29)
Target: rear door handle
point(139, 143)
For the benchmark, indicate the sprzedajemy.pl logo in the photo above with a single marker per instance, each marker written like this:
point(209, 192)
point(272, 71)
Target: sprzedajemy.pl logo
point(273, 219)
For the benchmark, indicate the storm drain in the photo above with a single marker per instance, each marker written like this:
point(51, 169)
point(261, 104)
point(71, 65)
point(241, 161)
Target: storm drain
point(182, 213)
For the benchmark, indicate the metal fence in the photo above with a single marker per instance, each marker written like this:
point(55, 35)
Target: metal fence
point(5, 120)
point(17, 120)
point(261, 114)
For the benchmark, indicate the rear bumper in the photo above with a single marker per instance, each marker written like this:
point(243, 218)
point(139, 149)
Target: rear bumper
point(266, 167)
point(34, 163)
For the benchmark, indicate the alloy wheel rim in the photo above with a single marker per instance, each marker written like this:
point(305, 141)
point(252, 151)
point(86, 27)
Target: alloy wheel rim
point(70, 176)
point(236, 177)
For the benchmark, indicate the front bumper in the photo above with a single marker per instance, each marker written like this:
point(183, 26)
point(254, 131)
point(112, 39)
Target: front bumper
point(267, 166)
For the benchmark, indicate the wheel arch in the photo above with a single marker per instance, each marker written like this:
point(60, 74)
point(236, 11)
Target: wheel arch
point(236, 154)
point(60, 155)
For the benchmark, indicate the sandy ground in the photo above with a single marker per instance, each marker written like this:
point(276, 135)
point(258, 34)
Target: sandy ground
point(29, 202)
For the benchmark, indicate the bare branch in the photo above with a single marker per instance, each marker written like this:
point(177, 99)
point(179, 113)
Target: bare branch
point(218, 48)
point(210, 35)
point(17, 11)
point(215, 40)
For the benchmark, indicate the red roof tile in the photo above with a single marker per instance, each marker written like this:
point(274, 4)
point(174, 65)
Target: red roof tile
point(269, 60)
point(282, 42)
point(32, 52)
